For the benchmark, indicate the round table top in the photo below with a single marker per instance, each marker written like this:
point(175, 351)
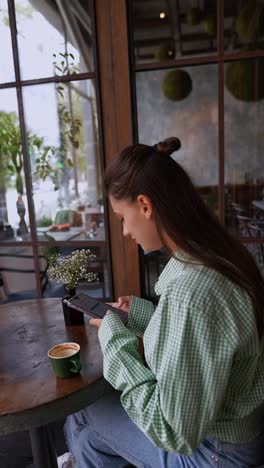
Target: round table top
point(30, 393)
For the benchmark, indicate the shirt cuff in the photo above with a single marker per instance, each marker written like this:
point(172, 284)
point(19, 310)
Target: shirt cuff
point(139, 315)
point(111, 326)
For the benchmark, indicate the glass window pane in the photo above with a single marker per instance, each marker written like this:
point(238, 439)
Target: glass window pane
point(244, 172)
point(168, 30)
point(165, 109)
point(188, 110)
point(14, 219)
point(17, 273)
point(66, 170)
point(6, 57)
point(52, 39)
point(244, 22)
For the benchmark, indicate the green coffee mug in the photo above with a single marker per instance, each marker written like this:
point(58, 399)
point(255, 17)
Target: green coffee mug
point(65, 359)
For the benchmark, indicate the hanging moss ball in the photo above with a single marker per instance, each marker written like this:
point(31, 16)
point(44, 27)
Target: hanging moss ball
point(245, 80)
point(250, 21)
point(165, 51)
point(194, 16)
point(177, 85)
point(210, 25)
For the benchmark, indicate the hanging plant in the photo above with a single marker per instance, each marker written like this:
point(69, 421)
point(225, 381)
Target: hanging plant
point(250, 21)
point(165, 51)
point(177, 85)
point(245, 80)
point(194, 16)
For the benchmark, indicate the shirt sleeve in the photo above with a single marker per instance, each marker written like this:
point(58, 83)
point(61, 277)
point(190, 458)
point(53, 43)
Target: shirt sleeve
point(176, 400)
point(139, 315)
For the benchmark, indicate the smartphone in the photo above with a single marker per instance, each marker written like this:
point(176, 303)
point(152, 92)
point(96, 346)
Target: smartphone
point(92, 307)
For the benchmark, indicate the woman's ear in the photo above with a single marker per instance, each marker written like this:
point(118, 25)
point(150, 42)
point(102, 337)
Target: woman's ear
point(145, 205)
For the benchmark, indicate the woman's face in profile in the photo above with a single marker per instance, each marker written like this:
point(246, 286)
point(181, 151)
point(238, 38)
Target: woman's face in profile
point(138, 222)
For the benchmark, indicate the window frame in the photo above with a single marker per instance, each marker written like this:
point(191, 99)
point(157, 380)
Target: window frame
point(18, 85)
point(220, 58)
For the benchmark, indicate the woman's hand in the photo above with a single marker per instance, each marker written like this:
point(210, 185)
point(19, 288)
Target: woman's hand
point(123, 303)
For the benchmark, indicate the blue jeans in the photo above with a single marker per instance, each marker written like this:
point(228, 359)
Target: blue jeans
point(103, 436)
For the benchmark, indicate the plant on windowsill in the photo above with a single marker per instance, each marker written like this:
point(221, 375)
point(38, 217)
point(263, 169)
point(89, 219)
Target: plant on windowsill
point(69, 270)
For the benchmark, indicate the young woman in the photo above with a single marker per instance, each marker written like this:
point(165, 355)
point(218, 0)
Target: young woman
point(198, 399)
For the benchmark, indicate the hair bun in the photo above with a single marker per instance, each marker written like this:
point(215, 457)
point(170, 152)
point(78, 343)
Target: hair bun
point(168, 146)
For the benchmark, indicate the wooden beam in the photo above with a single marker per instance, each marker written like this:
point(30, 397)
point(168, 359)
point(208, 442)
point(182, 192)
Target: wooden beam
point(113, 70)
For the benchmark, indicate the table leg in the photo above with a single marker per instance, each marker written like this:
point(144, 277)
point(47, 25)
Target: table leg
point(43, 450)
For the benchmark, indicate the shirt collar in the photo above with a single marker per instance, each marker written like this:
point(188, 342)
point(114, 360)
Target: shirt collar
point(179, 261)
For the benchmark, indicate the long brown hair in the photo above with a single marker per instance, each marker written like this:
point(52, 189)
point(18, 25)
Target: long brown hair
point(180, 212)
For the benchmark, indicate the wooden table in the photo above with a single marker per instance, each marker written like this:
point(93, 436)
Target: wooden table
point(31, 396)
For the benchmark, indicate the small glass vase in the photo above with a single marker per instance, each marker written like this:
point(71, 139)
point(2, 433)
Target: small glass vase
point(71, 316)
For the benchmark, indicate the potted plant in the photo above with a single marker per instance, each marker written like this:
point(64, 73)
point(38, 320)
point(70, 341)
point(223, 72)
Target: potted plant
point(69, 270)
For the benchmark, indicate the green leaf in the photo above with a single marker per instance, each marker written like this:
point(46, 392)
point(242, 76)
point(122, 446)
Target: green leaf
point(11, 169)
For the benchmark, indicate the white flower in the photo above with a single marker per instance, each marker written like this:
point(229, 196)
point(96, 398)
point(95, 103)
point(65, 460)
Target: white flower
point(72, 268)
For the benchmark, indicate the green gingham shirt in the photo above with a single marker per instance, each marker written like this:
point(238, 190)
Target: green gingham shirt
point(204, 371)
